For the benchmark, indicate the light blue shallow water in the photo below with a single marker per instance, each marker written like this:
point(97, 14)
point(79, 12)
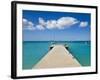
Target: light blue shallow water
point(33, 51)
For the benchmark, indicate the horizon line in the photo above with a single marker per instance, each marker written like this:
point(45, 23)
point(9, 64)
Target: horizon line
point(60, 40)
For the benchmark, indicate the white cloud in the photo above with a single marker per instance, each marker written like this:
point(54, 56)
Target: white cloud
point(61, 23)
point(28, 25)
point(51, 24)
point(40, 27)
point(42, 21)
point(83, 24)
point(64, 22)
point(25, 21)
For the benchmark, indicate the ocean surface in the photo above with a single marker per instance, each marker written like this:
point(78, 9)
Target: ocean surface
point(34, 51)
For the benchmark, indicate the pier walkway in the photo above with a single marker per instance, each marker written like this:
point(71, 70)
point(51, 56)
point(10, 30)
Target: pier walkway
point(57, 57)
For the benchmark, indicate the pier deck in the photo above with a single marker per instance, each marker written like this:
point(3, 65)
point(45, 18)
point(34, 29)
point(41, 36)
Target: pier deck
point(57, 57)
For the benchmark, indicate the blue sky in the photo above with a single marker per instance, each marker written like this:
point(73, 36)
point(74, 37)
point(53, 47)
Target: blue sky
point(57, 26)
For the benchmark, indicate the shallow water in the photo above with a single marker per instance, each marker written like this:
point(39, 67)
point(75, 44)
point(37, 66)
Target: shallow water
point(34, 51)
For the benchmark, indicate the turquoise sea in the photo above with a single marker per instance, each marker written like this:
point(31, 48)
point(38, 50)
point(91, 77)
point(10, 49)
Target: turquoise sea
point(34, 51)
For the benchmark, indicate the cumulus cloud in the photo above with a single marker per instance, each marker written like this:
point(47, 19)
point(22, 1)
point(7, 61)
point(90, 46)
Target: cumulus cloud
point(51, 24)
point(28, 25)
point(42, 21)
point(25, 22)
point(66, 21)
point(61, 23)
point(40, 27)
point(83, 24)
